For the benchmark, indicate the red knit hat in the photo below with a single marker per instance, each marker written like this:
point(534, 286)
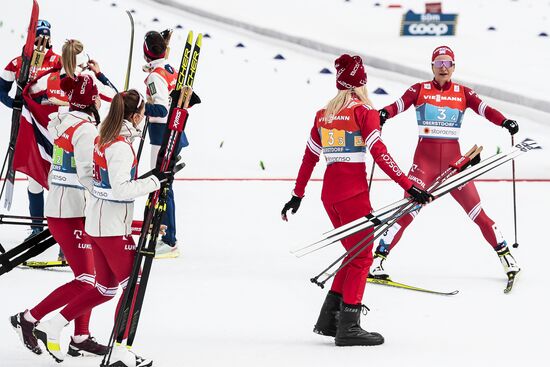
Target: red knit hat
point(350, 72)
point(81, 91)
point(443, 50)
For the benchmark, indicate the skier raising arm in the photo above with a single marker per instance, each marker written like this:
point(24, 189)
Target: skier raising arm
point(76, 61)
point(343, 131)
point(440, 106)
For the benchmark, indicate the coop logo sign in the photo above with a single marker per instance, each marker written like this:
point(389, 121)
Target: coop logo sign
point(414, 24)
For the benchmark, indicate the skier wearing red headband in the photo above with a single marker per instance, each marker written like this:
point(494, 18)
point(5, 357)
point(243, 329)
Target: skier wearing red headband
point(343, 131)
point(440, 106)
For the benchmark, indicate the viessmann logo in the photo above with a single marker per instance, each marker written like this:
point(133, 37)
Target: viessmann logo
point(439, 98)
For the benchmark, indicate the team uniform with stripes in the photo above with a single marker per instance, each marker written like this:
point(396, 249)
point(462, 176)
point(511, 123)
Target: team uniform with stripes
point(439, 113)
point(73, 135)
point(344, 140)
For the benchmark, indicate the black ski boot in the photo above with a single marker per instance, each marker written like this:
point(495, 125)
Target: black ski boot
point(349, 330)
point(328, 317)
point(87, 347)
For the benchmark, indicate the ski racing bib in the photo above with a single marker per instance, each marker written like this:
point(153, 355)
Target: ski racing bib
point(341, 137)
point(63, 164)
point(439, 113)
point(102, 187)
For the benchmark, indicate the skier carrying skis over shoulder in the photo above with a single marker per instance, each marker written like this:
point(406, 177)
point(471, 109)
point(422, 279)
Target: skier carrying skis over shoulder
point(38, 92)
point(440, 106)
point(343, 131)
point(160, 82)
point(73, 136)
point(109, 214)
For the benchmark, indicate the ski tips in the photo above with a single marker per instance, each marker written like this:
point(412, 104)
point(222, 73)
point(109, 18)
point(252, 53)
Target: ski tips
point(528, 144)
point(199, 40)
point(190, 37)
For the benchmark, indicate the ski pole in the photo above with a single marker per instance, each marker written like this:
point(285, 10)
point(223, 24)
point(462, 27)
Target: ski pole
point(371, 174)
point(143, 136)
point(372, 168)
point(381, 229)
point(403, 210)
point(516, 244)
point(374, 218)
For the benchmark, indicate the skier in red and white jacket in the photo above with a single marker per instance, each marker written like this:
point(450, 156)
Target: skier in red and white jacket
point(160, 82)
point(70, 176)
point(440, 106)
point(38, 91)
point(343, 131)
point(109, 214)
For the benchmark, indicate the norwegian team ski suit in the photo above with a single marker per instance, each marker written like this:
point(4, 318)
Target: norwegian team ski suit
point(70, 176)
point(109, 214)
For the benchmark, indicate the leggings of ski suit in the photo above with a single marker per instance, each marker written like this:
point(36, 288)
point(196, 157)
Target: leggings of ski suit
point(432, 157)
point(350, 280)
point(69, 233)
point(114, 258)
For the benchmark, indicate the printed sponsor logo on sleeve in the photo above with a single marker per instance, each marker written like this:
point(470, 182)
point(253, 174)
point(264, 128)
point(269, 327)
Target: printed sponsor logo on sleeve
point(152, 88)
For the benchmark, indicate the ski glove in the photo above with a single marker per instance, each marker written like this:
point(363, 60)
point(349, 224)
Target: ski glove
point(419, 195)
point(293, 204)
point(511, 125)
point(195, 99)
point(384, 115)
point(166, 176)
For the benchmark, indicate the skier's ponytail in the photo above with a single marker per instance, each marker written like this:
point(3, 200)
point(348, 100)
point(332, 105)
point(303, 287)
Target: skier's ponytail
point(110, 128)
point(342, 99)
point(70, 49)
point(123, 106)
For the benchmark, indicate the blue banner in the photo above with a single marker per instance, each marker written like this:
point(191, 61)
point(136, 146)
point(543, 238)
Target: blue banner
point(430, 24)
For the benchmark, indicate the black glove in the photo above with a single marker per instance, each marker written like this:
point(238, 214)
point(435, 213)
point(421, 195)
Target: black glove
point(17, 104)
point(383, 116)
point(511, 125)
point(166, 33)
point(195, 99)
point(293, 204)
point(166, 176)
point(419, 195)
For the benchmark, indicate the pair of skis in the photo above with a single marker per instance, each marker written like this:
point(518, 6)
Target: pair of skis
point(28, 57)
point(452, 181)
point(385, 217)
point(30, 248)
point(156, 203)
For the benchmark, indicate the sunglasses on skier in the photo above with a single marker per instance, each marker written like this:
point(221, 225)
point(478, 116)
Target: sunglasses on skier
point(43, 23)
point(440, 63)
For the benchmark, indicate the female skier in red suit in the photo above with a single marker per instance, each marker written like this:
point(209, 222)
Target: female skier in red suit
point(440, 106)
point(343, 131)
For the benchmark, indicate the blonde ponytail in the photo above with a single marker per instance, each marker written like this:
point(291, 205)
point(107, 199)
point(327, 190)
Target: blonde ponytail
point(343, 98)
point(70, 49)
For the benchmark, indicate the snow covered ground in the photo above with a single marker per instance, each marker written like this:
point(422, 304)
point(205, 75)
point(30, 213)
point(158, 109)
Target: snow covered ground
point(499, 57)
point(237, 297)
